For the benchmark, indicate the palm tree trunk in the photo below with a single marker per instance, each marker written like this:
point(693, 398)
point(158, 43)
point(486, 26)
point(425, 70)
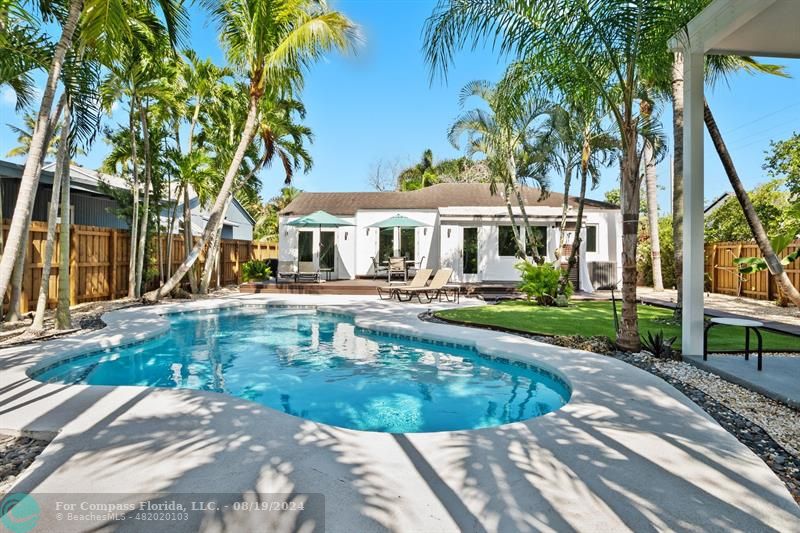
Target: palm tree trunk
point(564, 210)
point(14, 314)
point(628, 337)
point(651, 185)
point(248, 133)
point(576, 240)
point(773, 262)
point(142, 235)
point(677, 177)
point(170, 230)
point(62, 167)
point(188, 238)
point(134, 204)
point(529, 235)
point(29, 182)
point(63, 319)
point(213, 251)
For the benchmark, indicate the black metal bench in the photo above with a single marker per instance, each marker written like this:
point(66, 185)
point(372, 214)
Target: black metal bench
point(740, 322)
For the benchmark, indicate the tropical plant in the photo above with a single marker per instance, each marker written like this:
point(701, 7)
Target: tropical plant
point(256, 270)
point(541, 283)
point(86, 26)
point(504, 134)
point(783, 160)
point(266, 227)
point(268, 40)
point(772, 261)
point(607, 47)
point(659, 345)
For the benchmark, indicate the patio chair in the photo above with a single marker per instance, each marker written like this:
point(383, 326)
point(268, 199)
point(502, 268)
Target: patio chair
point(434, 290)
point(397, 265)
point(417, 265)
point(378, 268)
point(286, 270)
point(307, 272)
point(420, 280)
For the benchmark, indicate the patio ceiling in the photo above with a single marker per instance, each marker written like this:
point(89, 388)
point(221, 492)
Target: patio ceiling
point(769, 28)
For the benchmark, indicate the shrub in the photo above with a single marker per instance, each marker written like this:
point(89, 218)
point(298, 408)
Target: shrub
point(255, 270)
point(540, 283)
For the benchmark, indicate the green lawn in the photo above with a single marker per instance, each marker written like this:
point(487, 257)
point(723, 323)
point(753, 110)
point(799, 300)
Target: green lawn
point(596, 318)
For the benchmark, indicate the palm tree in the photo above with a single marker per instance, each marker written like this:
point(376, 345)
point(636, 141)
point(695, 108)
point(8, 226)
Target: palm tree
point(771, 258)
point(651, 189)
point(279, 138)
point(503, 134)
point(202, 84)
point(102, 23)
point(24, 48)
point(61, 170)
point(268, 40)
point(24, 134)
point(606, 47)
point(717, 68)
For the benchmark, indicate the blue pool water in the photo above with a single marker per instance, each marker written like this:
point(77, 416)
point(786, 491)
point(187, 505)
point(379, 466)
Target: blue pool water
point(322, 367)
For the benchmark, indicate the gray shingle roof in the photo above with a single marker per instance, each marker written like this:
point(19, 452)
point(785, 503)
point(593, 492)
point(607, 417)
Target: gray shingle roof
point(434, 197)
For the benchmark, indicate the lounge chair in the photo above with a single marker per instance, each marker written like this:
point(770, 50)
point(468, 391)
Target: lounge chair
point(307, 272)
point(434, 290)
point(397, 265)
point(378, 268)
point(420, 280)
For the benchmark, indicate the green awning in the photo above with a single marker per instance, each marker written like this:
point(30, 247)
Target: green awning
point(320, 219)
point(399, 221)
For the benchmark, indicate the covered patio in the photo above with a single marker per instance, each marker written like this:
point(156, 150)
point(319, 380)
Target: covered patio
point(763, 28)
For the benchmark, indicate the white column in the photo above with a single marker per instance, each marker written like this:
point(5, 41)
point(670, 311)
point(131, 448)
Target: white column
point(693, 221)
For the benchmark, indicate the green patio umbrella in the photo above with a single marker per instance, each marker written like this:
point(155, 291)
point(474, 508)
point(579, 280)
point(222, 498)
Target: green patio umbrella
point(399, 221)
point(320, 219)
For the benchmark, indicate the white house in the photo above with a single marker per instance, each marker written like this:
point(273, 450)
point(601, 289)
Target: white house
point(465, 227)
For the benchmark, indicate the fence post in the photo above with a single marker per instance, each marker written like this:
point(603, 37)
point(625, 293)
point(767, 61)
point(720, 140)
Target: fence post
point(714, 261)
point(112, 252)
point(236, 249)
point(27, 274)
point(73, 266)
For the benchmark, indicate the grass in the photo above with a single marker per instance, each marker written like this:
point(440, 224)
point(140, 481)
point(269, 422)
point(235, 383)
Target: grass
point(597, 319)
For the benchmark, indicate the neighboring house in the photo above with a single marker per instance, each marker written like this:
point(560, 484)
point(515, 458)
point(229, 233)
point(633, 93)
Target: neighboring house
point(466, 228)
point(92, 205)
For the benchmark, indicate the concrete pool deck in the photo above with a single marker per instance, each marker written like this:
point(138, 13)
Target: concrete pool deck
point(627, 453)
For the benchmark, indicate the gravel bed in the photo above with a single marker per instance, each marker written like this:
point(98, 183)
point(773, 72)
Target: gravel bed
point(769, 428)
point(16, 454)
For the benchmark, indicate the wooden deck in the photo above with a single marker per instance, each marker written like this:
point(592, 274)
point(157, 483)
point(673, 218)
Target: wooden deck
point(368, 286)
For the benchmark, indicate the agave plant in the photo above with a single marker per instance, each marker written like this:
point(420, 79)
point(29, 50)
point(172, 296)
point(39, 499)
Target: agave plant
point(659, 345)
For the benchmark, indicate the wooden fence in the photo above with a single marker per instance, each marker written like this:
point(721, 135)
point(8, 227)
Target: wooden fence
point(722, 275)
point(99, 263)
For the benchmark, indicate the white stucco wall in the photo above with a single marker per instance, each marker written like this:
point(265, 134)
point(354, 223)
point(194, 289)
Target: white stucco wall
point(425, 238)
point(345, 242)
point(440, 243)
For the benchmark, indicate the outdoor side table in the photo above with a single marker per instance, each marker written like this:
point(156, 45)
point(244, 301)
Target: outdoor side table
point(327, 272)
point(742, 323)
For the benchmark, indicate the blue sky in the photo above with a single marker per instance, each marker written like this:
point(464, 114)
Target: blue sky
point(381, 105)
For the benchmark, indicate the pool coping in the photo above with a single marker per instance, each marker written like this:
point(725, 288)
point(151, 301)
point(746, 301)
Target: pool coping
point(606, 394)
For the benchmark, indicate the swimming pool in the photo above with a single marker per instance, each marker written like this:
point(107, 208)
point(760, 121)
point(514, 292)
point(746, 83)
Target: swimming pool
point(322, 367)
